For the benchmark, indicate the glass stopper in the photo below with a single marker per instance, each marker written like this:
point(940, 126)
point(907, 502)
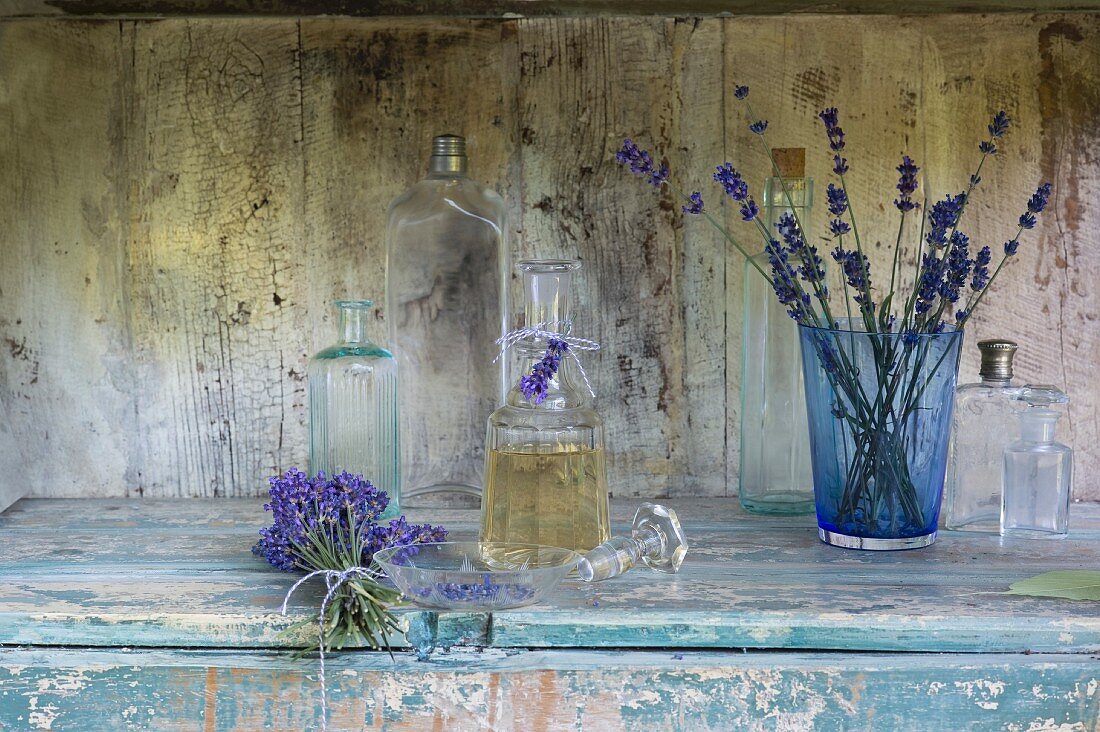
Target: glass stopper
point(656, 539)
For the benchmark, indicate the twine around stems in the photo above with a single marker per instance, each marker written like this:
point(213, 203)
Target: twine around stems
point(540, 331)
point(334, 579)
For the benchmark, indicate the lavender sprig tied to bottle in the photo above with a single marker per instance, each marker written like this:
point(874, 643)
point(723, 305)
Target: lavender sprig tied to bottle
point(896, 311)
point(536, 385)
point(330, 524)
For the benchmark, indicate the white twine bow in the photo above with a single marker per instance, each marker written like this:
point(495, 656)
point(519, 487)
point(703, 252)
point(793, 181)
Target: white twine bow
point(334, 578)
point(539, 331)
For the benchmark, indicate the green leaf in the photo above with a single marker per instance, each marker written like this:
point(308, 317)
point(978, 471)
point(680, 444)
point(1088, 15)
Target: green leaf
point(884, 311)
point(1071, 584)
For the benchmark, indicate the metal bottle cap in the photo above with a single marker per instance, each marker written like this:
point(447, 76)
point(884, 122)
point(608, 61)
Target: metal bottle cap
point(996, 359)
point(448, 154)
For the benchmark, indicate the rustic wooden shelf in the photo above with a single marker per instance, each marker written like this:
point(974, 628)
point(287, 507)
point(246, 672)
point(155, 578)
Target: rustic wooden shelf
point(523, 8)
point(135, 613)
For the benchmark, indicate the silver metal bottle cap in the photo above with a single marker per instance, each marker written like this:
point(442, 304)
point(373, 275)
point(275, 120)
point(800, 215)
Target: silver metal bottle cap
point(448, 154)
point(997, 356)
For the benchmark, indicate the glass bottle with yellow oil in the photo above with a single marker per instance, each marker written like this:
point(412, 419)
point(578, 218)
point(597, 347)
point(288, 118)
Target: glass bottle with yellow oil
point(545, 472)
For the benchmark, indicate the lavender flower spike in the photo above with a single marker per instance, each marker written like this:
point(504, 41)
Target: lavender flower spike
point(838, 200)
point(758, 127)
point(641, 163)
point(907, 184)
point(999, 126)
point(1028, 219)
point(731, 180)
point(838, 204)
point(749, 210)
point(856, 269)
point(981, 269)
point(942, 218)
point(696, 204)
point(958, 267)
point(536, 384)
point(740, 92)
point(830, 117)
point(1035, 205)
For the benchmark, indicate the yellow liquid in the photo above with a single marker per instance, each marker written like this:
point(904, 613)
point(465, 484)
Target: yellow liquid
point(555, 499)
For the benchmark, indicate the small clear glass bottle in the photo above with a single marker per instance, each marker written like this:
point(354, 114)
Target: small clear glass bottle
point(545, 474)
point(446, 279)
point(1038, 479)
point(353, 406)
point(983, 425)
point(775, 473)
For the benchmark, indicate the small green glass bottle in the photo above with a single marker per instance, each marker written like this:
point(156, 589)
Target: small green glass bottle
point(353, 406)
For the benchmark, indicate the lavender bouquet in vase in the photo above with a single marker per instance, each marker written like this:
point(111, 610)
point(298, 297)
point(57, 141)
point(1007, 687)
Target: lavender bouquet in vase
point(880, 357)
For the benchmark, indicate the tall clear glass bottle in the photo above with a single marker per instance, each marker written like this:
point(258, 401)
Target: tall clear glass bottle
point(775, 474)
point(984, 425)
point(546, 477)
point(1038, 479)
point(353, 406)
point(446, 275)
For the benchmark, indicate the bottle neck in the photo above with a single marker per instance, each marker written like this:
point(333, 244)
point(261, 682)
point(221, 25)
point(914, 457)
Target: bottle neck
point(996, 383)
point(448, 157)
point(447, 166)
point(546, 298)
point(788, 195)
point(546, 287)
point(352, 323)
point(1039, 425)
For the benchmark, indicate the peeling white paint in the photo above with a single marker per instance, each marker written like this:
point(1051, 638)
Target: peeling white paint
point(41, 718)
point(1049, 725)
point(63, 683)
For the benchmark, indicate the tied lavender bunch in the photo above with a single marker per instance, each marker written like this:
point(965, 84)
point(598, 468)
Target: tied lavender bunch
point(332, 523)
point(880, 393)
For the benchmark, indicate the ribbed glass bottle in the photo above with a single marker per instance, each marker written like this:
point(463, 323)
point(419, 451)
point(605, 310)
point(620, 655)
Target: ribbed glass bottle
point(446, 275)
point(353, 408)
point(775, 475)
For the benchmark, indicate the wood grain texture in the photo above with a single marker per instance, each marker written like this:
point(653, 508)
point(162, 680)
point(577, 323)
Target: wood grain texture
point(192, 194)
point(517, 8)
point(178, 573)
point(555, 691)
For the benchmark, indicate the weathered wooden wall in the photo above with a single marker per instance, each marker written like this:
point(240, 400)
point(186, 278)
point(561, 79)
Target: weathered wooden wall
point(182, 200)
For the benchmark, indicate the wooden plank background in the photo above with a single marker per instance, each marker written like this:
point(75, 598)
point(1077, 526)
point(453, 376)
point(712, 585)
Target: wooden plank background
point(183, 199)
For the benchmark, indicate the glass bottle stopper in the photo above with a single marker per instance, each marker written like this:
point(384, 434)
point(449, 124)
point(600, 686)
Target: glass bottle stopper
point(656, 539)
point(997, 356)
point(1042, 395)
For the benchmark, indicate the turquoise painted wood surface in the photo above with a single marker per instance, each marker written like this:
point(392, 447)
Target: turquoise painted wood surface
point(121, 614)
point(179, 573)
point(544, 691)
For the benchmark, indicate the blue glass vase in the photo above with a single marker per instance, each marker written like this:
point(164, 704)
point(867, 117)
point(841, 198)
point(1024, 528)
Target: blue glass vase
point(879, 406)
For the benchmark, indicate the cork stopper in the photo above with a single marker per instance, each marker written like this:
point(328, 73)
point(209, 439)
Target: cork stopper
point(791, 161)
point(997, 356)
point(793, 188)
